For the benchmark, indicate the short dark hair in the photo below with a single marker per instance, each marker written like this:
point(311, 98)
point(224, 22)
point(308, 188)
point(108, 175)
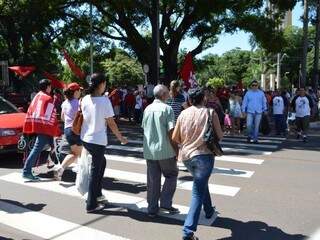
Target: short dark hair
point(68, 93)
point(95, 80)
point(196, 95)
point(44, 83)
point(253, 82)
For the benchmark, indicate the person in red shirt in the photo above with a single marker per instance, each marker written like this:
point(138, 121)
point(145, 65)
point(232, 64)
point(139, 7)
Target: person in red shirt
point(41, 120)
point(115, 97)
point(129, 102)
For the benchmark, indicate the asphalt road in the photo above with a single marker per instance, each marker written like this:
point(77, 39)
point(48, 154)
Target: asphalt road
point(268, 191)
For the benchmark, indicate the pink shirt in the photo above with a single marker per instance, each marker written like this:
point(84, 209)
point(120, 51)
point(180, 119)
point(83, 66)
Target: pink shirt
point(189, 131)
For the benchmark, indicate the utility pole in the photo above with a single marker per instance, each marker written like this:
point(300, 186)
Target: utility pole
point(91, 41)
point(305, 43)
point(315, 82)
point(155, 43)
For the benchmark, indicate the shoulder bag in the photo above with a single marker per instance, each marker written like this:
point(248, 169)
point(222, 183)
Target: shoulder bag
point(77, 122)
point(210, 136)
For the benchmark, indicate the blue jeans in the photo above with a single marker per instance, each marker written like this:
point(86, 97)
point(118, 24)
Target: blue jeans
point(98, 167)
point(41, 141)
point(253, 124)
point(201, 168)
point(280, 123)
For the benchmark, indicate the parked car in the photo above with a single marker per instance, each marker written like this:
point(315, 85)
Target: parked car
point(11, 123)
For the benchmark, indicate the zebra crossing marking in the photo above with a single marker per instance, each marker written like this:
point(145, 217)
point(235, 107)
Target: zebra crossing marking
point(183, 185)
point(217, 170)
point(117, 199)
point(236, 150)
point(222, 158)
point(48, 227)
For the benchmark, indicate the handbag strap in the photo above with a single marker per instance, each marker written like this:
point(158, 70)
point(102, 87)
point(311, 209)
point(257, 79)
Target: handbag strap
point(210, 118)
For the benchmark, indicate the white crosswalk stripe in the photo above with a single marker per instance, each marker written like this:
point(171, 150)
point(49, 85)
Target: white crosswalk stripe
point(117, 199)
point(237, 150)
point(216, 170)
point(48, 227)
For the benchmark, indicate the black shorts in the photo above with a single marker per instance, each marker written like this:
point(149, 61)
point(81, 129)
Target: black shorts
point(72, 138)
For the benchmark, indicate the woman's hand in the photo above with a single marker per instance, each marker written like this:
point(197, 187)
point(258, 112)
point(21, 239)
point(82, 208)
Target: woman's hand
point(123, 140)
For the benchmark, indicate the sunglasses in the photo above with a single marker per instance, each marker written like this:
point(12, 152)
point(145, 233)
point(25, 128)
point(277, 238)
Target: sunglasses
point(254, 85)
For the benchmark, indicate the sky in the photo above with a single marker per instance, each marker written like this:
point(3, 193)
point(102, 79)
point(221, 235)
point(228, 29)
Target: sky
point(239, 39)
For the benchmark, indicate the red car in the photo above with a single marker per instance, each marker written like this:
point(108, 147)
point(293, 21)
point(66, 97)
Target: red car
point(11, 123)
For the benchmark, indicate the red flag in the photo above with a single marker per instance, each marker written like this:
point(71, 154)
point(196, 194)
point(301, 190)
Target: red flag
point(74, 68)
point(55, 83)
point(187, 72)
point(23, 71)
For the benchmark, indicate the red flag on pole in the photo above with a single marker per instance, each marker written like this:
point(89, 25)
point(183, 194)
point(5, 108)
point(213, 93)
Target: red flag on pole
point(187, 72)
point(55, 83)
point(74, 68)
point(23, 71)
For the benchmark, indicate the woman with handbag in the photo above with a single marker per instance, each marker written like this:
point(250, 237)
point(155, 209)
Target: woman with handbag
point(191, 132)
point(69, 109)
point(97, 113)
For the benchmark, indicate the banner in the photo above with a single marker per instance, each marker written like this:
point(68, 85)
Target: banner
point(74, 68)
point(23, 71)
point(187, 72)
point(55, 83)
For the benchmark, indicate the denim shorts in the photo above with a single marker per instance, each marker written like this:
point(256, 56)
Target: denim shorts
point(72, 138)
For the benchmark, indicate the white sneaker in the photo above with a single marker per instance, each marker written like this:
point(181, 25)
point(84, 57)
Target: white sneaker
point(58, 173)
point(102, 199)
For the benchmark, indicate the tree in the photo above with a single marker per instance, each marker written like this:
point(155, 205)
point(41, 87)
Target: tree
point(215, 82)
point(123, 70)
point(132, 21)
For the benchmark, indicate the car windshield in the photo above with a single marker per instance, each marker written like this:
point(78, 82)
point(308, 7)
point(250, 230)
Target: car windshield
point(7, 107)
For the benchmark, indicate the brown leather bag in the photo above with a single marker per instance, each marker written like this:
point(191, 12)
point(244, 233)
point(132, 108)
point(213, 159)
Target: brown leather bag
point(77, 122)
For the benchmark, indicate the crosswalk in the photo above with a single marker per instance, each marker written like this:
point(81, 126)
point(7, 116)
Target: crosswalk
point(126, 164)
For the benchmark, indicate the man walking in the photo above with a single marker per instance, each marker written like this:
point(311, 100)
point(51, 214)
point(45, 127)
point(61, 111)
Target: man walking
point(302, 105)
point(253, 106)
point(160, 153)
point(279, 107)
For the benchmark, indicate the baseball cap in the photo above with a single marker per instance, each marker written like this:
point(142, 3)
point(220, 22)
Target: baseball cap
point(74, 86)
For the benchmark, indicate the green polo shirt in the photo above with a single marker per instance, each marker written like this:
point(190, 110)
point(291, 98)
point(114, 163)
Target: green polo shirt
point(158, 120)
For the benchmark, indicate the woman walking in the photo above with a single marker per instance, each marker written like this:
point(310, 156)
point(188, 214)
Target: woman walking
point(97, 114)
point(69, 108)
point(199, 160)
point(41, 120)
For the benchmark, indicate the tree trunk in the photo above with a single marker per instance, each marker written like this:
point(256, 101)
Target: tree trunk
point(155, 60)
point(170, 65)
point(315, 78)
point(305, 44)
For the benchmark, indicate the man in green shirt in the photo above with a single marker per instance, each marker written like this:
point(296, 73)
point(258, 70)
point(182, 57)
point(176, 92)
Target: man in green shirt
point(160, 152)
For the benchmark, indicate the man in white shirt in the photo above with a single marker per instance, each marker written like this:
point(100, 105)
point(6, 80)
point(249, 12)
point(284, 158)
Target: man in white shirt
point(279, 108)
point(302, 105)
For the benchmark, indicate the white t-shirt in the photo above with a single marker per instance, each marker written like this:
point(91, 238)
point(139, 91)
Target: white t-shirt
point(278, 105)
point(95, 110)
point(302, 107)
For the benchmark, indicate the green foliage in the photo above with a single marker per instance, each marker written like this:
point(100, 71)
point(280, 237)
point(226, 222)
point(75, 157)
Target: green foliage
point(232, 67)
point(123, 70)
point(215, 82)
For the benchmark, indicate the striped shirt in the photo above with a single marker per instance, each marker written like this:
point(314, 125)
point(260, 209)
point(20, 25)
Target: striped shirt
point(176, 104)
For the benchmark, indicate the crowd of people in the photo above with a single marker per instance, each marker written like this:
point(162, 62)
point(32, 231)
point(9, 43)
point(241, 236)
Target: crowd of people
point(174, 123)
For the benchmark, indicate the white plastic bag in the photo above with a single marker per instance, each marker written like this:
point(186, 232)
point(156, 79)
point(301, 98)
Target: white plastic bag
point(84, 168)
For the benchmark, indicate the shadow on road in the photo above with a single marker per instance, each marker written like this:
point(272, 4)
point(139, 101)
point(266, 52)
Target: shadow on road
point(253, 230)
point(23, 207)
